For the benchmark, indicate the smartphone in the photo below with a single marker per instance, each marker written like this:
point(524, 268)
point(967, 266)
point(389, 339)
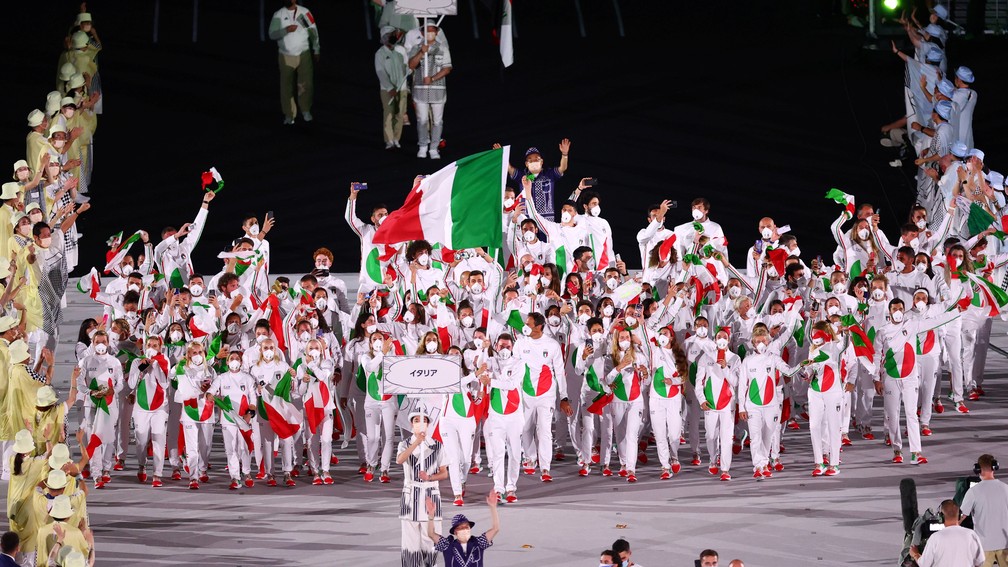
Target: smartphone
point(758, 247)
point(269, 215)
point(212, 293)
point(358, 186)
point(590, 182)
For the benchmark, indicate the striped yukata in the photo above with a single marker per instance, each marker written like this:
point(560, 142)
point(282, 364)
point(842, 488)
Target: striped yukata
point(417, 548)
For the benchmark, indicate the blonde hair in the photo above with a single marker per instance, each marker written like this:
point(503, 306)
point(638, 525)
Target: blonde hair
point(423, 342)
point(614, 350)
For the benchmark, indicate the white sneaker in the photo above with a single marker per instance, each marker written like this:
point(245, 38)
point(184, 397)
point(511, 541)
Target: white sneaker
point(288, 121)
point(895, 163)
point(307, 116)
point(434, 154)
point(422, 152)
point(389, 145)
point(396, 143)
point(887, 143)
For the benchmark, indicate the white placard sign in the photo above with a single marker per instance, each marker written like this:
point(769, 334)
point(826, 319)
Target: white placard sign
point(427, 8)
point(422, 375)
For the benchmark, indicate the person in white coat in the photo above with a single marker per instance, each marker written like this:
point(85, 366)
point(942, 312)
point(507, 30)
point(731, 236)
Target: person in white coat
point(194, 377)
point(237, 426)
point(314, 378)
point(148, 381)
point(293, 28)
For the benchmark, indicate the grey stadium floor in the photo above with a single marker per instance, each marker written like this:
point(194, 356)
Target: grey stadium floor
point(789, 520)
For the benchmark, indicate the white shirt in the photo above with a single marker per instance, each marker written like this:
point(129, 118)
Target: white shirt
point(953, 546)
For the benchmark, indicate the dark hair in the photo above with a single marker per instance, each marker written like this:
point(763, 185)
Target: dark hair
point(708, 553)
point(621, 545)
point(9, 542)
point(225, 279)
point(986, 462)
point(131, 297)
point(786, 239)
point(377, 207)
point(594, 321)
point(701, 201)
point(18, 461)
point(358, 329)
point(307, 278)
point(908, 251)
point(613, 556)
point(896, 301)
point(416, 247)
point(537, 318)
point(37, 229)
point(579, 251)
point(82, 335)
point(790, 270)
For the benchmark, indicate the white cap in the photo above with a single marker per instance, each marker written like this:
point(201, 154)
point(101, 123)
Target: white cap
point(9, 190)
point(66, 71)
point(79, 39)
point(67, 101)
point(56, 479)
point(45, 397)
point(56, 127)
point(18, 165)
point(23, 442)
point(35, 118)
point(60, 456)
point(18, 351)
point(6, 322)
point(76, 81)
point(83, 17)
point(61, 509)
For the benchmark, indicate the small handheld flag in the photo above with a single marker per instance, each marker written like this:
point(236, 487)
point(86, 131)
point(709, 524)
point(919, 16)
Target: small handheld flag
point(212, 181)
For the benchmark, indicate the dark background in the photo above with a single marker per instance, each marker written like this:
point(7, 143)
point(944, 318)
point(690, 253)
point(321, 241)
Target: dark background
point(759, 106)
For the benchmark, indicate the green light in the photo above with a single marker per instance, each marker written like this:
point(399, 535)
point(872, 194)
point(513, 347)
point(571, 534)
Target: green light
point(890, 4)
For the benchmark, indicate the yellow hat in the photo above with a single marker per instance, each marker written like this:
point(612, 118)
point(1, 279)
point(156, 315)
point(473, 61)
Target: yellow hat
point(36, 117)
point(79, 39)
point(6, 322)
point(45, 397)
point(67, 101)
point(66, 71)
point(83, 17)
point(76, 81)
point(56, 480)
point(56, 127)
point(17, 218)
point(60, 456)
point(23, 442)
point(18, 165)
point(18, 352)
point(9, 190)
point(71, 558)
point(61, 509)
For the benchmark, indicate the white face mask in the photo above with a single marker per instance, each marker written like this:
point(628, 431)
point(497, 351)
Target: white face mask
point(233, 328)
point(772, 272)
point(922, 224)
point(151, 352)
point(24, 230)
point(430, 347)
point(921, 305)
point(624, 345)
point(314, 353)
point(433, 299)
point(922, 267)
point(796, 251)
point(833, 310)
point(504, 353)
point(321, 266)
point(100, 348)
point(767, 233)
point(260, 338)
point(35, 217)
point(862, 233)
point(597, 337)
point(321, 304)
point(467, 321)
point(760, 347)
point(92, 332)
point(545, 281)
point(423, 259)
point(836, 327)
point(133, 287)
point(430, 36)
point(565, 217)
point(379, 221)
point(58, 143)
point(697, 214)
point(268, 353)
point(313, 322)
point(734, 291)
point(583, 318)
point(750, 313)
point(915, 243)
point(408, 317)
point(418, 427)
point(463, 534)
point(612, 283)
point(376, 345)
point(196, 290)
point(529, 236)
point(701, 332)
point(371, 328)
point(508, 203)
point(553, 320)
point(534, 166)
point(663, 340)
point(526, 330)
point(595, 211)
point(608, 310)
point(527, 267)
point(630, 321)
point(476, 288)
point(817, 341)
point(898, 265)
point(477, 342)
point(234, 364)
point(254, 230)
point(304, 336)
point(196, 360)
point(175, 336)
point(722, 343)
point(878, 294)
point(896, 316)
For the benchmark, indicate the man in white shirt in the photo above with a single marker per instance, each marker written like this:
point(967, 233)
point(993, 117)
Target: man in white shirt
point(987, 502)
point(293, 28)
point(953, 545)
point(688, 235)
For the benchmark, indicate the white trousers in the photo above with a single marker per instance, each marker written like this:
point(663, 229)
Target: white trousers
point(626, 422)
point(503, 438)
point(379, 420)
point(430, 122)
point(927, 365)
point(825, 410)
point(537, 435)
point(457, 434)
point(151, 427)
point(239, 458)
point(764, 422)
point(320, 445)
point(905, 391)
point(666, 422)
point(719, 426)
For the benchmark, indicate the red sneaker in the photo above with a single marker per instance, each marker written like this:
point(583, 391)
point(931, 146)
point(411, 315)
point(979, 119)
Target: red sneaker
point(595, 458)
point(974, 395)
point(607, 471)
point(142, 476)
point(260, 475)
point(897, 458)
point(676, 467)
point(832, 471)
point(725, 476)
point(326, 479)
point(271, 482)
point(845, 441)
point(204, 477)
point(106, 478)
point(631, 477)
point(868, 435)
point(118, 466)
point(317, 481)
point(777, 465)
point(176, 475)
point(938, 407)
point(233, 485)
point(736, 448)
point(665, 474)
point(475, 469)
point(767, 472)
point(528, 469)
point(623, 472)
point(384, 478)
point(546, 477)
point(458, 501)
point(334, 460)
point(819, 471)
point(583, 472)
point(926, 431)
point(980, 391)
point(712, 469)
point(86, 473)
point(682, 440)
point(362, 469)
point(289, 481)
point(193, 485)
point(511, 498)
point(696, 461)
point(249, 483)
point(642, 458)
point(642, 445)
point(793, 424)
point(758, 474)
point(157, 483)
point(559, 456)
point(888, 440)
point(296, 471)
point(918, 459)
point(99, 484)
point(369, 476)
point(961, 408)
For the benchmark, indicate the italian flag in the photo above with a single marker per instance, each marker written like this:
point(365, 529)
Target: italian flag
point(761, 397)
point(661, 388)
point(505, 403)
point(114, 257)
point(315, 404)
point(978, 220)
point(621, 391)
point(201, 326)
point(458, 206)
point(90, 284)
point(199, 409)
point(864, 342)
point(373, 264)
point(827, 381)
point(283, 416)
point(990, 295)
point(228, 411)
point(176, 281)
point(560, 259)
point(149, 397)
point(543, 383)
point(900, 364)
point(462, 405)
point(371, 384)
point(592, 380)
point(856, 269)
point(102, 402)
point(212, 180)
point(724, 396)
point(842, 198)
point(599, 403)
point(665, 248)
point(516, 321)
point(926, 342)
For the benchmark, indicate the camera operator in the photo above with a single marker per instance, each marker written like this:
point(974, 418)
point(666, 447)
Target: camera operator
point(987, 502)
point(953, 545)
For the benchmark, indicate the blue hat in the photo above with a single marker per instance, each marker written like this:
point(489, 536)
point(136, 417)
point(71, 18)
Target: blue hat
point(941, 11)
point(532, 150)
point(458, 519)
point(946, 87)
point(944, 109)
point(935, 30)
point(934, 55)
point(964, 74)
point(960, 150)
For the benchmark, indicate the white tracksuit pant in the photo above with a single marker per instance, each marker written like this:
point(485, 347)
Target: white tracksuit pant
point(666, 422)
point(626, 421)
point(286, 449)
point(537, 435)
point(719, 426)
point(379, 421)
point(503, 438)
point(195, 440)
point(825, 410)
point(763, 423)
point(693, 416)
point(152, 427)
point(953, 343)
point(969, 356)
point(103, 426)
point(356, 407)
point(980, 360)
point(239, 458)
point(172, 432)
point(586, 428)
point(864, 391)
point(457, 434)
point(905, 391)
point(927, 365)
point(320, 443)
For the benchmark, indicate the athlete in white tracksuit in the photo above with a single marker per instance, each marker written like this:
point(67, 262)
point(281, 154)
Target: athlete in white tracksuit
point(314, 378)
point(379, 410)
point(267, 372)
point(194, 378)
point(238, 387)
point(148, 380)
point(625, 372)
point(101, 375)
point(716, 385)
point(589, 363)
point(506, 417)
point(543, 384)
point(458, 429)
point(827, 363)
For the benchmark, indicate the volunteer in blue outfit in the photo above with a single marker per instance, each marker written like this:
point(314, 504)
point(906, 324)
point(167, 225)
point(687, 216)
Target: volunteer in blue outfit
point(460, 548)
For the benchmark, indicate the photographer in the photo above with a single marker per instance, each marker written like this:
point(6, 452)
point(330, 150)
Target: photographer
point(953, 545)
point(987, 502)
